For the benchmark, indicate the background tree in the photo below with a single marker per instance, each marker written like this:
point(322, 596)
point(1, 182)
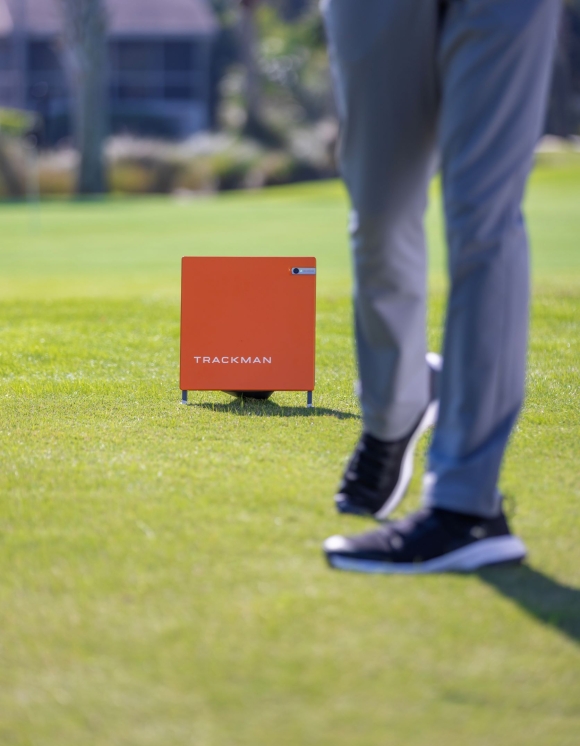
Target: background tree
point(13, 182)
point(85, 59)
point(286, 78)
point(256, 125)
point(294, 60)
point(14, 125)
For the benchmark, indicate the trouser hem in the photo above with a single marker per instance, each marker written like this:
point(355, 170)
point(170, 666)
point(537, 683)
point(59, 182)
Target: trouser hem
point(488, 507)
point(395, 425)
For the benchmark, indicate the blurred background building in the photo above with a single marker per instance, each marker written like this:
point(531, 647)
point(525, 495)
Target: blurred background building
point(159, 65)
point(193, 95)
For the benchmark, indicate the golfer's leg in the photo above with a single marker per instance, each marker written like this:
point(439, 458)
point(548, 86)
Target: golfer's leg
point(384, 64)
point(495, 60)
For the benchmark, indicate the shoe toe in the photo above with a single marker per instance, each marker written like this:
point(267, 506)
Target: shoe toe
point(337, 544)
point(434, 361)
point(344, 505)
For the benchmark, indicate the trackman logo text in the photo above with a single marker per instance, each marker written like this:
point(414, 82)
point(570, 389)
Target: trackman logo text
point(233, 360)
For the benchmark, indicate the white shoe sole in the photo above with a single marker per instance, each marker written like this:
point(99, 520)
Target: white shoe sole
point(467, 559)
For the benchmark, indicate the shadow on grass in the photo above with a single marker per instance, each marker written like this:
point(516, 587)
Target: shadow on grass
point(549, 601)
point(254, 408)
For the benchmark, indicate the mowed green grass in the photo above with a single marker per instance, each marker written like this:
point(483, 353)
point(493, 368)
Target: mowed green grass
point(161, 580)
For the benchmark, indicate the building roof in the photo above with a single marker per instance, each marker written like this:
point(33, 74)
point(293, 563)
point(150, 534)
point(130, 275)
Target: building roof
point(5, 19)
point(144, 18)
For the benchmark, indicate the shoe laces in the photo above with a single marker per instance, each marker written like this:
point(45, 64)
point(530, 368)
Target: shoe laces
point(372, 459)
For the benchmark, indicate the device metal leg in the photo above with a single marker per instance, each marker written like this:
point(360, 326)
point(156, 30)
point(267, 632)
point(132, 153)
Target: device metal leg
point(184, 397)
point(309, 399)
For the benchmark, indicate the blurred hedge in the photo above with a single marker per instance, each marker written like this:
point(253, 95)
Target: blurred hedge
point(204, 163)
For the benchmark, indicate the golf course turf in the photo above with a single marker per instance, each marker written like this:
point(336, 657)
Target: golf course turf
point(161, 579)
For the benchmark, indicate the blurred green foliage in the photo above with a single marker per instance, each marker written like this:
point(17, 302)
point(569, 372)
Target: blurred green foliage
point(294, 62)
point(16, 121)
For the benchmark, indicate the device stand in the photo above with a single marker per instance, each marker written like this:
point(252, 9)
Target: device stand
point(309, 403)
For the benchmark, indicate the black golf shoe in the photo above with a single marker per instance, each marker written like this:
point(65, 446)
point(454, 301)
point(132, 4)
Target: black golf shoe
point(431, 540)
point(379, 472)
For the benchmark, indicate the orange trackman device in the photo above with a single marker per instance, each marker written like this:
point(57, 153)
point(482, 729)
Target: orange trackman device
point(248, 325)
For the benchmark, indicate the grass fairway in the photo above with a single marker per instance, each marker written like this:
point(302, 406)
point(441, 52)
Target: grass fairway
point(161, 582)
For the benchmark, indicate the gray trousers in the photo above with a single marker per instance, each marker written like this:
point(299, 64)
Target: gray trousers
point(461, 85)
